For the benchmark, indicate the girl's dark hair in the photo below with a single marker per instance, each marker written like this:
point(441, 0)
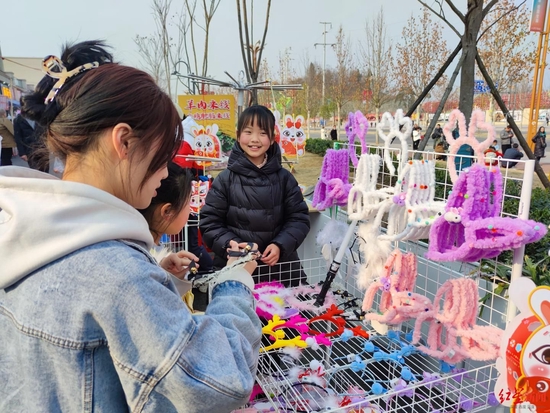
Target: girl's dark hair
point(99, 99)
point(174, 190)
point(259, 115)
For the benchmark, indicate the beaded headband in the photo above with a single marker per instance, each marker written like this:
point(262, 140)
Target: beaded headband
point(54, 68)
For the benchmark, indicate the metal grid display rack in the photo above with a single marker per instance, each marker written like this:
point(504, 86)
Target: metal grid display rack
point(464, 387)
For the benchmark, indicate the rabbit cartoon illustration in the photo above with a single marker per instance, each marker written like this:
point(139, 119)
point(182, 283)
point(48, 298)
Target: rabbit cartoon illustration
point(300, 135)
point(206, 143)
point(288, 138)
point(524, 360)
point(535, 356)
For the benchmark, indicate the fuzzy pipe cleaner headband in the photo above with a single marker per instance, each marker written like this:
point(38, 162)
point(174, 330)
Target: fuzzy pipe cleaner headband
point(466, 137)
point(357, 126)
point(471, 228)
point(333, 186)
point(400, 127)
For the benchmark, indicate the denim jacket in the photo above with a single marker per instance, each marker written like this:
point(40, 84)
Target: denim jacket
point(102, 329)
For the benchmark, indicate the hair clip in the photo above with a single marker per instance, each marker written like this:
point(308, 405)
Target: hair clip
point(54, 68)
point(333, 315)
point(243, 252)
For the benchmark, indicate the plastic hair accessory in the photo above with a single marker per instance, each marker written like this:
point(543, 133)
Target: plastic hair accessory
point(54, 68)
point(333, 314)
point(279, 336)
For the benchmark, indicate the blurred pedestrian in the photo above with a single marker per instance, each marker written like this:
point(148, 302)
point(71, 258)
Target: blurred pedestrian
point(540, 143)
point(8, 141)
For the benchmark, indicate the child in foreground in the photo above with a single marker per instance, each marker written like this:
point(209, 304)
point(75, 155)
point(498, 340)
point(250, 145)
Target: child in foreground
point(256, 199)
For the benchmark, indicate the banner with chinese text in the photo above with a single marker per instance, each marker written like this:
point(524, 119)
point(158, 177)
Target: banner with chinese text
point(215, 115)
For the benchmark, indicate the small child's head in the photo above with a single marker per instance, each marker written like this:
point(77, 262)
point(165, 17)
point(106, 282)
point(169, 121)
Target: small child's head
point(495, 142)
point(169, 209)
point(256, 132)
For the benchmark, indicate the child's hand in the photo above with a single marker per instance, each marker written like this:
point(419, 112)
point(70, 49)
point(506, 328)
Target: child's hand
point(271, 254)
point(234, 246)
point(177, 263)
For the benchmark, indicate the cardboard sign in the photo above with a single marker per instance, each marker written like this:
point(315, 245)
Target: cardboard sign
point(292, 137)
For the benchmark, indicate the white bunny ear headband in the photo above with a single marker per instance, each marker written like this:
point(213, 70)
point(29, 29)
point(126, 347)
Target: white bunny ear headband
point(400, 127)
point(466, 137)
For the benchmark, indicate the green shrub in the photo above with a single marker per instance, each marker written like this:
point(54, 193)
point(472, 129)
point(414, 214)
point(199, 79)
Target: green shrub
point(318, 146)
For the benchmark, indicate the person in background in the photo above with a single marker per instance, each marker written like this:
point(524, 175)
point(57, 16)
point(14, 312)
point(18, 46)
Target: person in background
point(512, 153)
point(416, 136)
point(495, 146)
point(540, 143)
point(506, 137)
point(256, 199)
point(333, 134)
point(30, 143)
point(89, 320)
point(8, 140)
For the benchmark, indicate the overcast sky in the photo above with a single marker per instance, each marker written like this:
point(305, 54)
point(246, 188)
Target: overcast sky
point(35, 28)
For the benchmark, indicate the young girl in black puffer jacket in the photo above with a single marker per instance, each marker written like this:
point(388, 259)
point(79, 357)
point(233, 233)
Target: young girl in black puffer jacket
point(256, 199)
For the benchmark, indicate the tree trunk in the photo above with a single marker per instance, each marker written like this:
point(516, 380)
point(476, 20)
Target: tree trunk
point(472, 24)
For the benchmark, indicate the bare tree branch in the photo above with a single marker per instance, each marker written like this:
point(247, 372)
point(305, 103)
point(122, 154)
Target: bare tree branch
point(500, 18)
point(248, 45)
point(191, 13)
point(242, 40)
point(488, 8)
point(456, 11)
point(442, 17)
point(262, 45)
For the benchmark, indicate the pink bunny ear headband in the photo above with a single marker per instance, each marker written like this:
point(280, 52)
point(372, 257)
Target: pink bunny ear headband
point(453, 335)
point(399, 276)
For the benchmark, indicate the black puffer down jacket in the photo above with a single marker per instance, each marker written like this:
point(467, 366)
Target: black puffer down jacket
point(249, 204)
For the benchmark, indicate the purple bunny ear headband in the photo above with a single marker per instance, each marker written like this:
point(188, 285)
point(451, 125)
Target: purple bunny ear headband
point(357, 126)
point(471, 228)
